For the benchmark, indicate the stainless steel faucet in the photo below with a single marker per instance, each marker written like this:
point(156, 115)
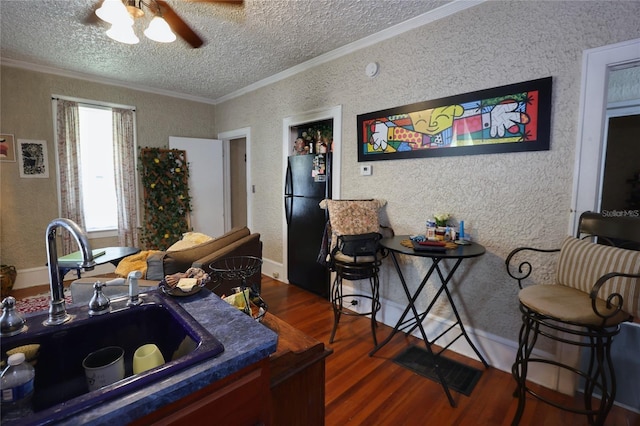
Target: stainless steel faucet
point(57, 309)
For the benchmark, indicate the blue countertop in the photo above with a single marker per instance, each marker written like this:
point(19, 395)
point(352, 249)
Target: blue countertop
point(245, 342)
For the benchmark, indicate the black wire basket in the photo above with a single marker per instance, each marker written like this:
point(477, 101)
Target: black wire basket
point(235, 268)
point(241, 268)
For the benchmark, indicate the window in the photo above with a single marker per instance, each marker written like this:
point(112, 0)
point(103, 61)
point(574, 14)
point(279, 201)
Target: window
point(96, 162)
point(99, 201)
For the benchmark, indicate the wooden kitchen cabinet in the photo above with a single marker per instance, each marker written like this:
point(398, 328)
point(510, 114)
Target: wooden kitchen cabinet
point(297, 381)
point(239, 399)
point(288, 388)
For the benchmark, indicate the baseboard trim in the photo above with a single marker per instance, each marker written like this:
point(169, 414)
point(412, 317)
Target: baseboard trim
point(32, 277)
point(273, 269)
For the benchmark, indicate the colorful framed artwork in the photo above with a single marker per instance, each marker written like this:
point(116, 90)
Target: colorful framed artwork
point(7, 148)
point(33, 159)
point(509, 118)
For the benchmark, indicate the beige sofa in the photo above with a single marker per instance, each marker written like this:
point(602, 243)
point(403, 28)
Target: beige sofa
point(237, 242)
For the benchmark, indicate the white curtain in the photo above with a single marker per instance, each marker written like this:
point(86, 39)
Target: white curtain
point(125, 174)
point(68, 147)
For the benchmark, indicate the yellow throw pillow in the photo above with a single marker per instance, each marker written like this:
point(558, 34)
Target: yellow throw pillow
point(190, 239)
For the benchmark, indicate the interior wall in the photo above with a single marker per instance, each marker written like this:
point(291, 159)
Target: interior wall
point(506, 200)
point(28, 205)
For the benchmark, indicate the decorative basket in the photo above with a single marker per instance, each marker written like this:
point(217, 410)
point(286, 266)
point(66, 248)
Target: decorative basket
point(8, 276)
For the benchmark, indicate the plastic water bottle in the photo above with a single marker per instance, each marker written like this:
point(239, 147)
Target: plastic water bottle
point(17, 387)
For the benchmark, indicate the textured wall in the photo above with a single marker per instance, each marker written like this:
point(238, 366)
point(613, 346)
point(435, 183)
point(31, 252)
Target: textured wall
point(28, 205)
point(506, 199)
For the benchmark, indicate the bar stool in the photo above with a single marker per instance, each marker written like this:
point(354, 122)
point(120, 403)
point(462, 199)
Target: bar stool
point(594, 291)
point(364, 266)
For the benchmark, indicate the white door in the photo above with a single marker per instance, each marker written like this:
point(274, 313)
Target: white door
point(206, 182)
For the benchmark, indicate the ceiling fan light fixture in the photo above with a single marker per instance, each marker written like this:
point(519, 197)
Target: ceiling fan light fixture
point(159, 31)
point(123, 34)
point(114, 12)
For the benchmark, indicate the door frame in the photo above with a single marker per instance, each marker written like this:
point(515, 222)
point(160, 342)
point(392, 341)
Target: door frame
point(591, 143)
point(334, 113)
point(597, 63)
point(226, 137)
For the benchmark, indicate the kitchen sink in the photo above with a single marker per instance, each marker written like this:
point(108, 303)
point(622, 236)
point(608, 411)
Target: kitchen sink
point(60, 385)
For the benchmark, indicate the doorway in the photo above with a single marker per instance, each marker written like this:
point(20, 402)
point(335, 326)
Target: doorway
point(607, 161)
point(621, 177)
point(238, 181)
point(334, 114)
point(237, 150)
point(597, 66)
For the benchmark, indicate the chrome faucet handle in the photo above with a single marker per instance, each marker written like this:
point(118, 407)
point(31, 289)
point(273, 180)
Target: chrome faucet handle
point(11, 322)
point(99, 303)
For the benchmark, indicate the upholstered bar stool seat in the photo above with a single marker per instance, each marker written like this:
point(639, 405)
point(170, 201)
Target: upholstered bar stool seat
point(568, 305)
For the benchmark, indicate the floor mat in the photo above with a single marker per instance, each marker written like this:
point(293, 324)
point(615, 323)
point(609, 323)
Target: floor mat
point(459, 377)
point(39, 302)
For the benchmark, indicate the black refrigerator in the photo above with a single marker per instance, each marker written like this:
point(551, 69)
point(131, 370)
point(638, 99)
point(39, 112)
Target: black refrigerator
point(308, 182)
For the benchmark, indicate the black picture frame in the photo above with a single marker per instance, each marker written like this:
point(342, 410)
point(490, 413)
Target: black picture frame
point(511, 118)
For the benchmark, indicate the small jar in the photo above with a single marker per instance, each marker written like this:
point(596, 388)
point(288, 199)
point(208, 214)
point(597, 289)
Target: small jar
point(431, 231)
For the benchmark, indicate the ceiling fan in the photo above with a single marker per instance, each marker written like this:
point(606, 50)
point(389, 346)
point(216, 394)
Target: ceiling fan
point(164, 26)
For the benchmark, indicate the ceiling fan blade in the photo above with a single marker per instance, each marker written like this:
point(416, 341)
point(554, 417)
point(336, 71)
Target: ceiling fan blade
point(218, 1)
point(91, 18)
point(179, 26)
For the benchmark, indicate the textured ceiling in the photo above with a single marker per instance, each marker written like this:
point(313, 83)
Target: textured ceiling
point(243, 44)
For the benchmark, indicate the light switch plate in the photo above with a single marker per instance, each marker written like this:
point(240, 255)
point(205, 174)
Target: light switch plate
point(365, 170)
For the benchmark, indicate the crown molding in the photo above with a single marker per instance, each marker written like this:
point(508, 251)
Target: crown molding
point(101, 80)
point(434, 15)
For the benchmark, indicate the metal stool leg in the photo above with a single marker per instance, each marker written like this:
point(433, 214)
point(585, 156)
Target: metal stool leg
point(336, 303)
point(519, 368)
point(353, 272)
point(375, 305)
point(599, 375)
point(598, 379)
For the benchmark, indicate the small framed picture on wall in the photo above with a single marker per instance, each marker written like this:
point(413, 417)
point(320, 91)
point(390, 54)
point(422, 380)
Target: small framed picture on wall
point(7, 148)
point(33, 158)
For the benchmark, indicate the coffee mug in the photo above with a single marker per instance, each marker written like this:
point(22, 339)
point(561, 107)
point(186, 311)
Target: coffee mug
point(103, 367)
point(147, 357)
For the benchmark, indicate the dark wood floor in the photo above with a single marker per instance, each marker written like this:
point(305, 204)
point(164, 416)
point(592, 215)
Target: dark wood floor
point(363, 390)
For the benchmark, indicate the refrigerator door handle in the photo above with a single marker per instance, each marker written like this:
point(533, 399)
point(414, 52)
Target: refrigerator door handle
point(288, 194)
point(288, 208)
point(288, 181)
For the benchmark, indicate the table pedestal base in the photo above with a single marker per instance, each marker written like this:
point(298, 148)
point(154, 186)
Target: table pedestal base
point(415, 320)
